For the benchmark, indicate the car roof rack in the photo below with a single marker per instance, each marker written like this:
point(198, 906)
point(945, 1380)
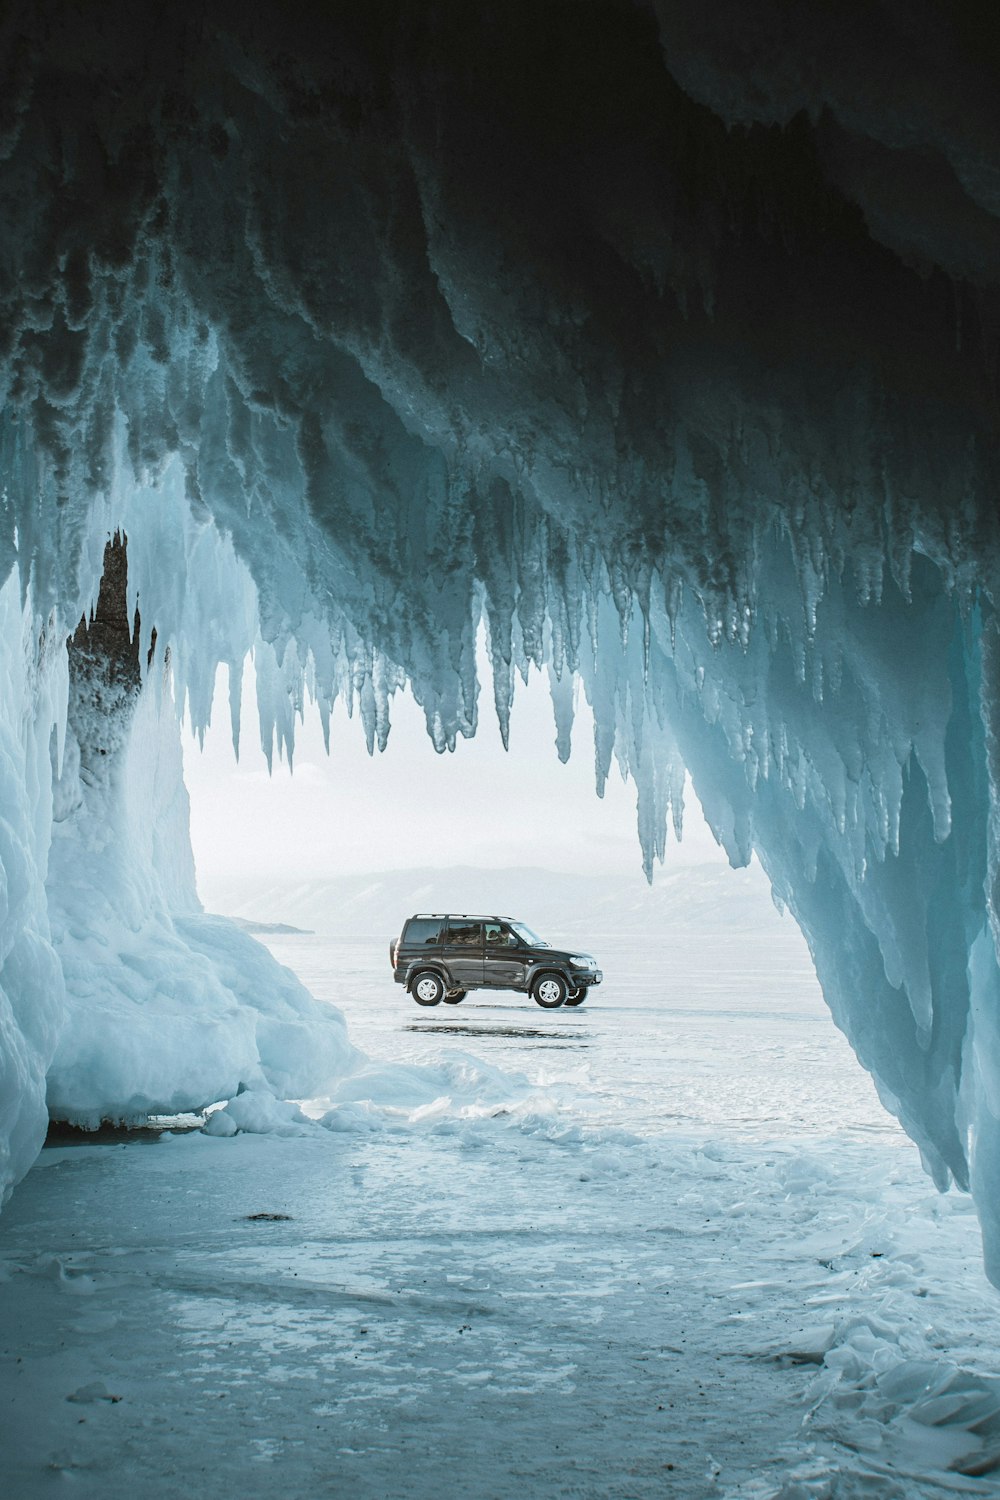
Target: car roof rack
point(470, 916)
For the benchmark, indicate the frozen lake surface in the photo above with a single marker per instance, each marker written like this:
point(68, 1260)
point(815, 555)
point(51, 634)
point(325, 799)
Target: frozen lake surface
point(664, 1245)
point(669, 1041)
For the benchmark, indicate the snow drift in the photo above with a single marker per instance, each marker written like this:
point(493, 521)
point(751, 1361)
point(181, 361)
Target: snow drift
point(665, 347)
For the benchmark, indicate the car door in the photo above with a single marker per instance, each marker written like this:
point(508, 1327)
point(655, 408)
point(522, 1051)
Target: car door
point(463, 952)
point(504, 957)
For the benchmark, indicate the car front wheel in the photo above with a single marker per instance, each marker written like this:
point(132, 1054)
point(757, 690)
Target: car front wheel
point(550, 991)
point(427, 989)
point(577, 997)
point(455, 997)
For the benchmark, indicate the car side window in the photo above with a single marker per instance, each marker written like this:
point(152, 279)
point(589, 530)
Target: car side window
point(499, 936)
point(465, 934)
point(424, 930)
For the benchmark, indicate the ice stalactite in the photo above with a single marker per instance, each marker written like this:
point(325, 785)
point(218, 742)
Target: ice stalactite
point(668, 355)
point(853, 764)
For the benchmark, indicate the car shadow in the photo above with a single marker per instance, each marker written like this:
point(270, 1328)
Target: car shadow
point(529, 1033)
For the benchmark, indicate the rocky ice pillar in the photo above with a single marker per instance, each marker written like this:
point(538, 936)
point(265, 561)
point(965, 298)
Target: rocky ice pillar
point(167, 1009)
point(120, 811)
point(105, 681)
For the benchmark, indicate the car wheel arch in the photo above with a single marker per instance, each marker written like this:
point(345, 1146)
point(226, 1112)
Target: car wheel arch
point(537, 970)
point(429, 968)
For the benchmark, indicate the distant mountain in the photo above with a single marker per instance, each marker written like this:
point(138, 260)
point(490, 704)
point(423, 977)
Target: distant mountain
point(694, 903)
point(270, 929)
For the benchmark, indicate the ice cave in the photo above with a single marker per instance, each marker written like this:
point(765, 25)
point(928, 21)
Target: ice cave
point(657, 340)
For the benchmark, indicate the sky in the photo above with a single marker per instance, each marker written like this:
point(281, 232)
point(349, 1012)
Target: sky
point(409, 807)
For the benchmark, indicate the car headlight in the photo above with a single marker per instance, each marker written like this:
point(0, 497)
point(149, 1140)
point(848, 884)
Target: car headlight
point(582, 960)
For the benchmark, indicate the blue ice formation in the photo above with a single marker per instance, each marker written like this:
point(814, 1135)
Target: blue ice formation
point(663, 344)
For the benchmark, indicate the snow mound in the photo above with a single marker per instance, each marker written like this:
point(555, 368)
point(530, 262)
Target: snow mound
point(257, 1112)
point(467, 1099)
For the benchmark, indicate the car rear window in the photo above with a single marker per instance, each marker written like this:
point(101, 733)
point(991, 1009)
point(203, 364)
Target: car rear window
point(423, 930)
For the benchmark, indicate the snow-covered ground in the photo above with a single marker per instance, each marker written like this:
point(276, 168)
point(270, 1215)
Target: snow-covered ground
point(666, 1245)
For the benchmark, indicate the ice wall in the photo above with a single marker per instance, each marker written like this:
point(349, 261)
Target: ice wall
point(119, 997)
point(167, 1009)
point(32, 988)
point(662, 338)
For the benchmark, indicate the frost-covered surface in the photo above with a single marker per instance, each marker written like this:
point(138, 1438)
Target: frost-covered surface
point(168, 1009)
point(32, 989)
point(120, 996)
point(628, 1249)
point(664, 346)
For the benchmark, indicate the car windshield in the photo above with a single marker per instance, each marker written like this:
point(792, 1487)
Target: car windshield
point(527, 936)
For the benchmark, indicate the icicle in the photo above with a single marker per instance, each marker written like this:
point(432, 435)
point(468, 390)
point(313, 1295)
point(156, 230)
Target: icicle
point(562, 692)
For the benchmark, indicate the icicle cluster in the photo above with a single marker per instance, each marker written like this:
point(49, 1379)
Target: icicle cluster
point(368, 329)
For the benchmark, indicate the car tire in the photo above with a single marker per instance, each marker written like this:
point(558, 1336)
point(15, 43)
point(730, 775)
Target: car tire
point(454, 997)
point(549, 991)
point(577, 997)
point(427, 988)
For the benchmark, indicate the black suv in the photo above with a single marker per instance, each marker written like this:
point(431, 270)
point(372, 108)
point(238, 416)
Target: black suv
point(443, 956)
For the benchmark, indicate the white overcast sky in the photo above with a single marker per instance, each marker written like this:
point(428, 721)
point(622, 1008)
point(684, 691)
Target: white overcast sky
point(348, 812)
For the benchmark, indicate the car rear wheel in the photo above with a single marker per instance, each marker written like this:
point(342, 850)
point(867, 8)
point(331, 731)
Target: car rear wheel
point(550, 991)
point(455, 997)
point(577, 997)
point(427, 989)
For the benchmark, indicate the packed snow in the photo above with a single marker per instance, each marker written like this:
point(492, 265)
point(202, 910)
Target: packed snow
point(667, 1245)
